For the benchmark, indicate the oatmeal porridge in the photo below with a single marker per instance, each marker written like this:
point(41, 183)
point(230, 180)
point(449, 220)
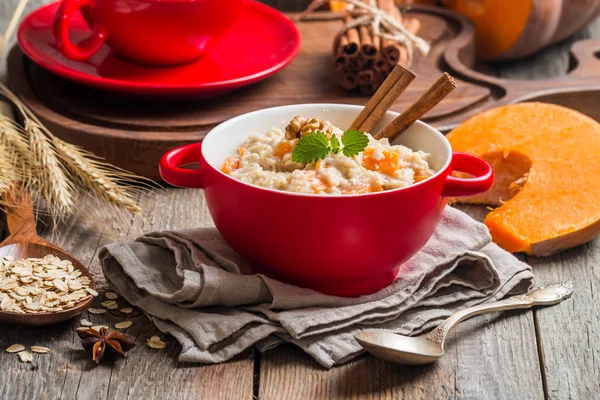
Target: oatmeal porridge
point(266, 160)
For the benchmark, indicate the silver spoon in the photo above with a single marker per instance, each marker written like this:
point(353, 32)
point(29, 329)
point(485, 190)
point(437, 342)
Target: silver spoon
point(429, 347)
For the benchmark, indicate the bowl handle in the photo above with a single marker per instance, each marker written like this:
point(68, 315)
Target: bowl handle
point(174, 158)
point(63, 17)
point(481, 182)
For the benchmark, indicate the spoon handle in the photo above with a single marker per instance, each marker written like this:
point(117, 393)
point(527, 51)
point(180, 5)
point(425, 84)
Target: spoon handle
point(547, 295)
point(19, 215)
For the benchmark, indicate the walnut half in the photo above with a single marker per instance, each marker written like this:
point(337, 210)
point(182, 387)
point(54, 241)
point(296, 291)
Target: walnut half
point(292, 131)
point(300, 126)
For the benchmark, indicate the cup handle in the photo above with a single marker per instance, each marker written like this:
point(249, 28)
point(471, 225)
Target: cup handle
point(65, 13)
point(173, 175)
point(481, 182)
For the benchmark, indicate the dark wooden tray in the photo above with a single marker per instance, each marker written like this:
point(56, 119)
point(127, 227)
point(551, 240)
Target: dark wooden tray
point(133, 133)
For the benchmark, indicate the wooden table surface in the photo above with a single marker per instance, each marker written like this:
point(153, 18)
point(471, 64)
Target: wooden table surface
point(543, 353)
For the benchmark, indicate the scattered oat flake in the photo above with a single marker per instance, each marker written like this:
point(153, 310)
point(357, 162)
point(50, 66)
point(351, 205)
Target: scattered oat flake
point(98, 327)
point(155, 343)
point(126, 310)
point(111, 295)
point(40, 349)
point(123, 325)
point(111, 304)
point(82, 328)
point(26, 357)
point(85, 322)
point(96, 310)
point(15, 348)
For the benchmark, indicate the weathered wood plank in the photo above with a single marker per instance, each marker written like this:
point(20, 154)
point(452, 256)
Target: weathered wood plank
point(569, 335)
point(67, 371)
point(474, 367)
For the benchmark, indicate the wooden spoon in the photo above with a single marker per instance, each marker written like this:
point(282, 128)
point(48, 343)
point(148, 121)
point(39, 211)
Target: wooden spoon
point(23, 242)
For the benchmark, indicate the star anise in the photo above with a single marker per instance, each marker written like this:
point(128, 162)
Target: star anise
point(105, 345)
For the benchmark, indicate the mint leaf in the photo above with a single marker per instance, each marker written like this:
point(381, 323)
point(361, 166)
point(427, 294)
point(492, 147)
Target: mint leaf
point(335, 144)
point(354, 142)
point(311, 147)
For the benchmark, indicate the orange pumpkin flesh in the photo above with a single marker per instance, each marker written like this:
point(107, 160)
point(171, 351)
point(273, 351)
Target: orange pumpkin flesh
point(546, 159)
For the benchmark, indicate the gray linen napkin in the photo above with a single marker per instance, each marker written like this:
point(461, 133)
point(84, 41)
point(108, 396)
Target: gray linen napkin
point(190, 283)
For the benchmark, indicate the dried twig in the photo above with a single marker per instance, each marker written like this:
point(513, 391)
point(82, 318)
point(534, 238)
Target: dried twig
point(12, 24)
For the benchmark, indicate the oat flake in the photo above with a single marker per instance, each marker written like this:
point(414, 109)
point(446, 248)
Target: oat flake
point(15, 348)
point(26, 357)
point(123, 325)
point(40, 349)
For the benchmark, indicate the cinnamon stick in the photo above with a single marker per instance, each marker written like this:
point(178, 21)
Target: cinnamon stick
point(340, 60)
point(396, 82)
point(395, 52)
point(440, 89)
point(381, 66)
point(365, 77)
point(352, 48)
point(348, 79)
point(368, 89)
point(371, 88)
point(367, 43)
point(388, 45)
point(357, 63)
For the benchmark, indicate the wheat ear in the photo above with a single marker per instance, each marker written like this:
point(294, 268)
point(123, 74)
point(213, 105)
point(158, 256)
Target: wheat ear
point(80, 170)
point(7, 174)
point(53, 183)
point(16, 149)
point(95, 175)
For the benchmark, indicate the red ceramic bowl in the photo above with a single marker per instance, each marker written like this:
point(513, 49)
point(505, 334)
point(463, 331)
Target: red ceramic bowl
point(345, 245)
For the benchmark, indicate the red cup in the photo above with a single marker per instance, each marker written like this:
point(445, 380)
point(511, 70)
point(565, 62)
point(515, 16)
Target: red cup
point(346, 245)
point(154, 32)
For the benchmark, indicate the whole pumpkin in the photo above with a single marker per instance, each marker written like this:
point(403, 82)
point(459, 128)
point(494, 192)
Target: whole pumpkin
point(511, 29)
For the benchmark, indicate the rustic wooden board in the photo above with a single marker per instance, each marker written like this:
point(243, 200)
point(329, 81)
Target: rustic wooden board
point(134, 133)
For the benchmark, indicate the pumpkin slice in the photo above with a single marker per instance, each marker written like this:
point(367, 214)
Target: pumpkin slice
point(547, 164)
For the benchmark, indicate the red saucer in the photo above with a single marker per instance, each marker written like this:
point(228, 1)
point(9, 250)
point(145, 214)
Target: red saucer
point(261, 43)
